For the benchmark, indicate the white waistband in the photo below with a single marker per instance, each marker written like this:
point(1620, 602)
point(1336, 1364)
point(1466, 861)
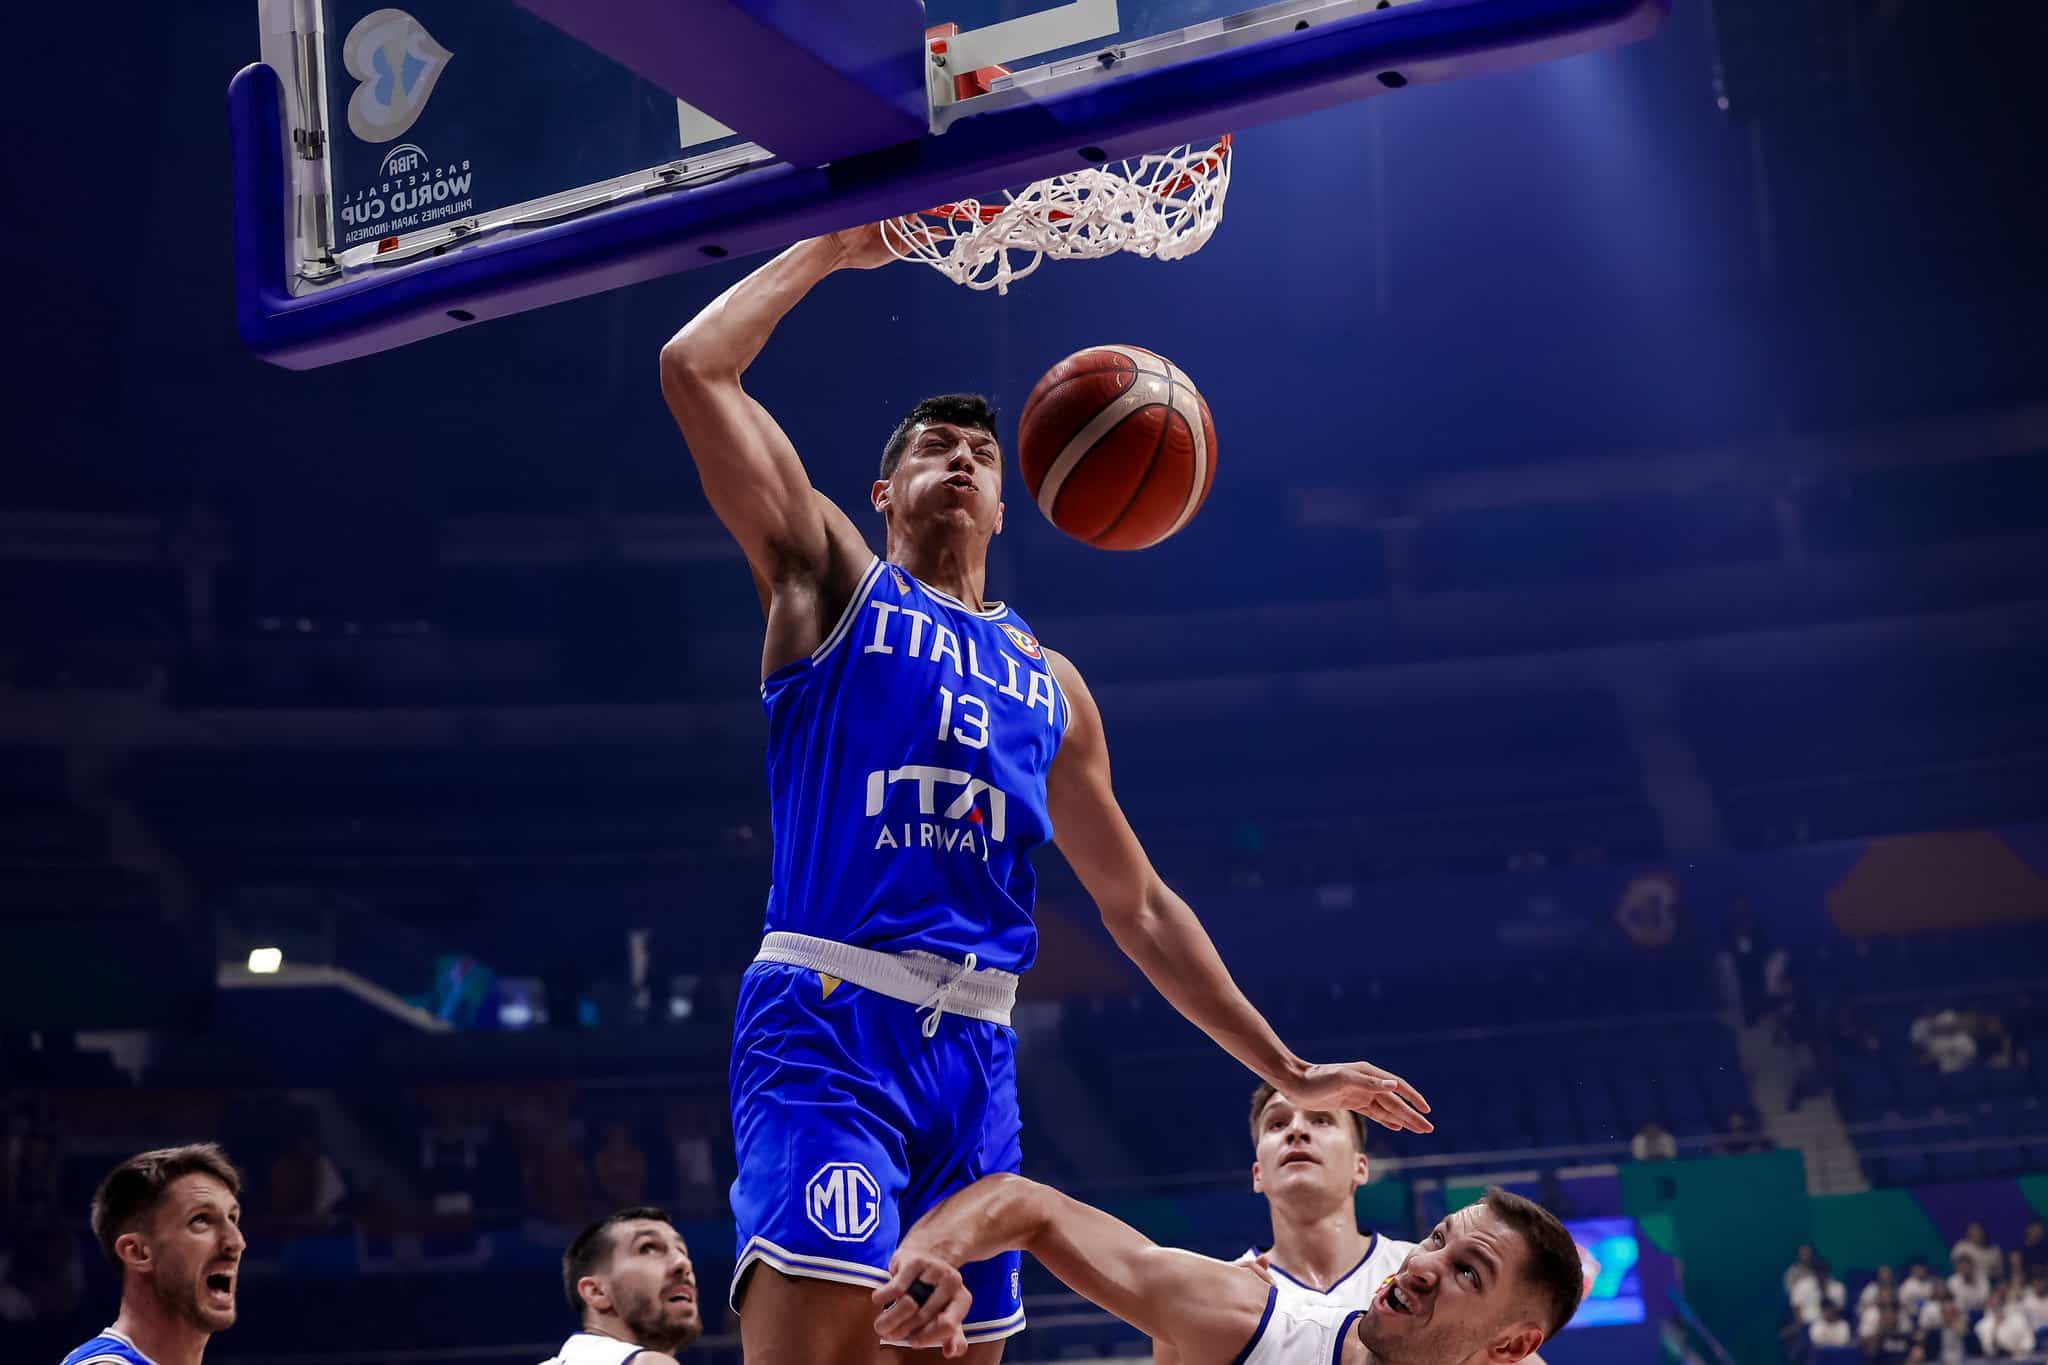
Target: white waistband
point(923, 979)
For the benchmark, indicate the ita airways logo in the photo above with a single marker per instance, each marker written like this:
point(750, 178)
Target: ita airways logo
point(843, 1201)
point(1023, 641)
point(397, 63)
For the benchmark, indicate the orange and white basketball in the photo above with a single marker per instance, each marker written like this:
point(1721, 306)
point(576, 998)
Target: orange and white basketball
point(1117, 447)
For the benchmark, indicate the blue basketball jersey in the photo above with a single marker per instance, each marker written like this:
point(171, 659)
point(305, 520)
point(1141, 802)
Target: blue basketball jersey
point(906, 776)
point(108, 1348)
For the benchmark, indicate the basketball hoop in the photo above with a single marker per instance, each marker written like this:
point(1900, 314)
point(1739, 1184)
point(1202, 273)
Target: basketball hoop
point(1164, 206)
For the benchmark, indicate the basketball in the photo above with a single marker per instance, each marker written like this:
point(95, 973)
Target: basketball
point(1117, 447)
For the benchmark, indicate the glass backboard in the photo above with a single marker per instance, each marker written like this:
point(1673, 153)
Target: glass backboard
point(402, 172)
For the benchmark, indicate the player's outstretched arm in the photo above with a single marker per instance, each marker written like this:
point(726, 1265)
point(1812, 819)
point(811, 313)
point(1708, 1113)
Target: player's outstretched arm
point(792, 535)
point(1158, 931)
point(1208, 1309)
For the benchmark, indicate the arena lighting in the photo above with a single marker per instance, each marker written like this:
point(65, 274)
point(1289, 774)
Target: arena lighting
point(264, 961)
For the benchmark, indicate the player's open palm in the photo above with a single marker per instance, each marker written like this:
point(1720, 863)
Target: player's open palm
point(1373, 1091)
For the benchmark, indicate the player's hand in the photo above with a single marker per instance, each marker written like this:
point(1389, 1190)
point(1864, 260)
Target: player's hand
point(924, 1302)
point(866, 247)
point(1378, 1094)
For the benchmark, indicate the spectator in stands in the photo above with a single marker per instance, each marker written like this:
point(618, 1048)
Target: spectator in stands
point(41, 1273)
point(1978, 1249)
point(1968, 1285)
point(629, 1280)
point(2033, 1301)
point(1988, 1033)
point(2004, 1329)
point(1928, 1315)
point(1941, 1040)
point(1830, 1328)
point(1881, 1292)
point(1800, 1269)
point(305, 1187)
point(555, 1183)
point(621, 1168)
point(1747, 949)
point(689, 1130)
point(1949, 1338)
point(2034, 1247)
point(1818, 1288)
point(1850, 1034)
point(1888, 1342)
point(1654, 1143)
point(1738, 1137)
point(1915, 1290)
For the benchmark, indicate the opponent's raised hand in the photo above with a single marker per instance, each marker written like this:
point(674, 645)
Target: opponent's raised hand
point(1373, 1091)
point(924, 1302)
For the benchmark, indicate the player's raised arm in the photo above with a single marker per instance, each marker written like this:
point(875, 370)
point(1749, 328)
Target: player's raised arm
point(756, 483)
point(1158, 931)
point(1176, 1296)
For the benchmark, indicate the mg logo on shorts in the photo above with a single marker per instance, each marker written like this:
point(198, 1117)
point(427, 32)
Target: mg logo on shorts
point(843, 1201)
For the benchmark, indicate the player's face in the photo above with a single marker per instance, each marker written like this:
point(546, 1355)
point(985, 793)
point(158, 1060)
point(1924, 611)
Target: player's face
point(195, 1251)
point(653, 1286)
point(1458, 1297)
point(950, 473)
point(1302, 1151)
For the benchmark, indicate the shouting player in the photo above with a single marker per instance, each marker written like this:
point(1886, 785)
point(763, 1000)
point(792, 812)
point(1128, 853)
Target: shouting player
point(1490, 1284)
point(170, 1222)
point(921, 743)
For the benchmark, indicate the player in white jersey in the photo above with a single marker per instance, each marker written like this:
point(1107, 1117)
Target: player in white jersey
point(630, 1281)
point(1490, 1284)
point(1310, 1165)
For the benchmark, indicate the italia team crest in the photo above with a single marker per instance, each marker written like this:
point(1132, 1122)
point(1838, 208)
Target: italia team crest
point(1022, 641)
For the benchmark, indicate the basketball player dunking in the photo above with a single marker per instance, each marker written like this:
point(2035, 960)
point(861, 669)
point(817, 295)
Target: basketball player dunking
point(921, 743)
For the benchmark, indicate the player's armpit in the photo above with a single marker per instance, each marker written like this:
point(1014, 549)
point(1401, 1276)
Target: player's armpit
point(755, 481)
point(752, 475)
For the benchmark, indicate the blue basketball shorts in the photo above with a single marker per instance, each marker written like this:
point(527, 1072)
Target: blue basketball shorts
point(850, 1124)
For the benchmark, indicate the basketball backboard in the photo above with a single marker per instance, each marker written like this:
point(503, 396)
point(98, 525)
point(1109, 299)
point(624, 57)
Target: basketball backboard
point(402, 172)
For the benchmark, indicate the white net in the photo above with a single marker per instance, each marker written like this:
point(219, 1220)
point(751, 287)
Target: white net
point(1164, 205)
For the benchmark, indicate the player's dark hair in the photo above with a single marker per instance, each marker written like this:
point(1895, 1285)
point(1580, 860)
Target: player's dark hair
point(960, 409)
point(1553, 1268)
point(593, 1247)
point(132, 1189)
point(1266, 1092)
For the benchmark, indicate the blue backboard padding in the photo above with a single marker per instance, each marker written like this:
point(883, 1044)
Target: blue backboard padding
point(1292, 74)
point(811, 83)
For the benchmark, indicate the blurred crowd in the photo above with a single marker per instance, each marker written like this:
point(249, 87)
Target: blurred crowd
point(1988, 1302)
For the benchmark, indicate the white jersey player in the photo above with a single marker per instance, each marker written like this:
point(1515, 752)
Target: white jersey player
point(630, 1280)
point(1310, 1165)
point(1490, 1284)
